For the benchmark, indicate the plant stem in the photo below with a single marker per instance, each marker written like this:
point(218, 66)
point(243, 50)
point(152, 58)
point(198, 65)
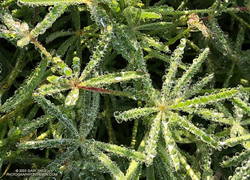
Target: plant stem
point(42, 49)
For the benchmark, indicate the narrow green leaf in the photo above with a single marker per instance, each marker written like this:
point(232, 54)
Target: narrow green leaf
point(134, 113)
point(168, 169)
point(23, 42)
point(72, 97)
point(189, 169)
point(49, 19)
point(76, 66)
point(221, 108)
point(155, 26)
point(198, 86)
point(236, 140)
point(245, 122)
point(55, 165)
point(114, 5)
point(56, 35)
point(150, 173)
point(61, 67)
point(174, 63)
point(193, 129)
point(150, 15)
point(237, 130)
point(7, 82)
point(153, 136)
point(207, 99)
point(99, 52)
point(108, 163)
point(149, 41)
point(237, 159)
point(211, 115)
point(121, 151)
point(62, 49)
point(10, 36)
point(52, 2)
point(242, 172)
point(14, 25)
point(89, 108)
point(33, 125)
point(243, 105)
point(221, 41)
point(54, 111)
point(134, 169)
point(204, 156)
point(50, 89)
point(112, 78)
point(186, 77)
point(171, 146)
point(50, 143)
point(26, 89)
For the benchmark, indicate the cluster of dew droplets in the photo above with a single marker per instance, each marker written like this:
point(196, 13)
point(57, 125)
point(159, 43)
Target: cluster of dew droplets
point(119, 119)
point(206, 160)
point(242, 172)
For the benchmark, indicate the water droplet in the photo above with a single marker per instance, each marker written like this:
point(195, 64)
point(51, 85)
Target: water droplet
point(118, 78)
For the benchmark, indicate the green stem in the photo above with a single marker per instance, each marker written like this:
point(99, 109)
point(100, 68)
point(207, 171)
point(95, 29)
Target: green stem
point(41, 48)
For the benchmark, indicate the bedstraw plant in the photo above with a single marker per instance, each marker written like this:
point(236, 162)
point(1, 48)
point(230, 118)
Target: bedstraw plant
point(125, 89)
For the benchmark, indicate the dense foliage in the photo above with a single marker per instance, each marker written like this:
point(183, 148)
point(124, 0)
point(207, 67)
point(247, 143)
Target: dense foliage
point(125, 89)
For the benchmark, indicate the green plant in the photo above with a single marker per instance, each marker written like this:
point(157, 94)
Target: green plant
point(95, 105)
